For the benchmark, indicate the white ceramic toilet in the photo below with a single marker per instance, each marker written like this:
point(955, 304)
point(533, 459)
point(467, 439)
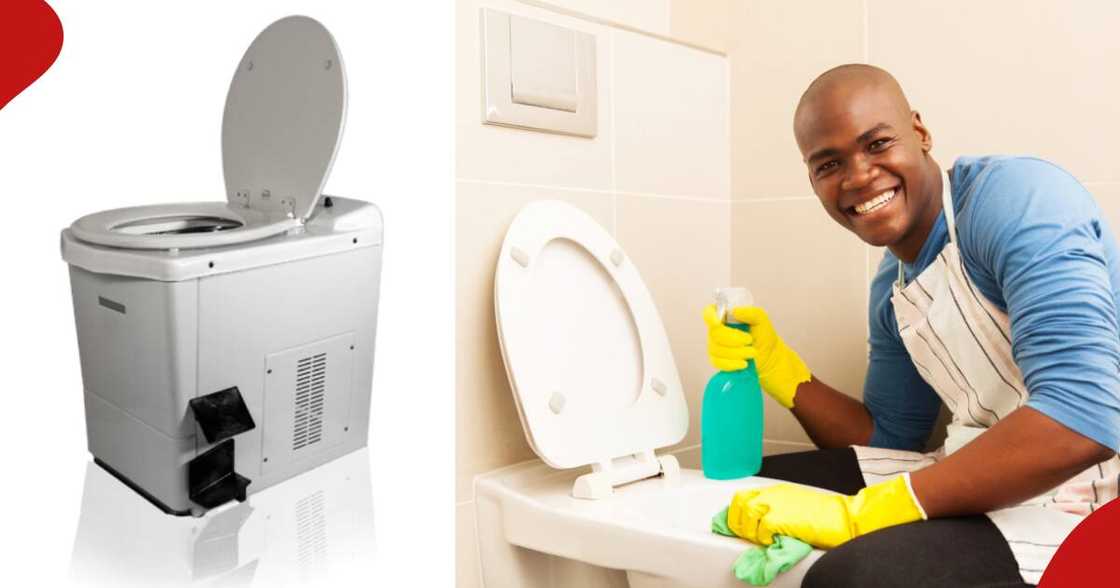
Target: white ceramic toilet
point(595, 384)
point(227, 346)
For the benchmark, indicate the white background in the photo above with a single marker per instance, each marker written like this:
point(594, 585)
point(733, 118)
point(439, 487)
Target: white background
point(130, 114)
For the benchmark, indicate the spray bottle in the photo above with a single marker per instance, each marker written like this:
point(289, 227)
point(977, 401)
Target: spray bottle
point(731, 415)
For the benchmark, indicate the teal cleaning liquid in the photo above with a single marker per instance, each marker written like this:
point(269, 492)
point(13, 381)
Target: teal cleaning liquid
point(731, 423)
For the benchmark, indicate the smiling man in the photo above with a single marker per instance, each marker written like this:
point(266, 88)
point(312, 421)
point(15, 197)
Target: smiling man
point(997, 297)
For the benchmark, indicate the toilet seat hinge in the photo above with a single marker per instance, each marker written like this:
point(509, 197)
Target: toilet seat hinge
point(607, 474)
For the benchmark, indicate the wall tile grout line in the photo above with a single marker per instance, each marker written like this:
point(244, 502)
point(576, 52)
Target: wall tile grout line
point(607, 191)
point(614, 137)
point(728, 137)
point(477, 550)
point(867, 297)
point(867, 248)
point(785, 442)
point(699, 199)
point(866, 32)
point(773, 199)
point(696, 199)
point(554, 7)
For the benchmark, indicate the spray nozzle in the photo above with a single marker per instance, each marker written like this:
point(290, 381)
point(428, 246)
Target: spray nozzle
point(729, 298)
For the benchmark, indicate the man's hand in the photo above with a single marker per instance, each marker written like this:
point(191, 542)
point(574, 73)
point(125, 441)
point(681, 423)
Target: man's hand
point(819, 518)
point(831, 418)
point(780, 369)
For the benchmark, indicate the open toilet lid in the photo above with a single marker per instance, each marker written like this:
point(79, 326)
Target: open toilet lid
point(283, 118)
point(586, 352)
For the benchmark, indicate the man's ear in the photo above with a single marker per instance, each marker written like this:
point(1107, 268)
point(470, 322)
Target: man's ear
point(924, 137)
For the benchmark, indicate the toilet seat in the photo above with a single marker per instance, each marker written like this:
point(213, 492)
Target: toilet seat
point(281, 129)
point(154, 227)
point(585, 350)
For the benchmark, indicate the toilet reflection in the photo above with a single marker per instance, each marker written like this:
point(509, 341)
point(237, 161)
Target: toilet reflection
point(305, 529)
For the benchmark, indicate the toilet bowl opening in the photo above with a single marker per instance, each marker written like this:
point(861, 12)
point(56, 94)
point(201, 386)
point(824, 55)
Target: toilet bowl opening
point(177, 225)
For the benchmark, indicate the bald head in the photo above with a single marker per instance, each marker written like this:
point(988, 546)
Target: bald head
point(839, 88)
point(860, 141)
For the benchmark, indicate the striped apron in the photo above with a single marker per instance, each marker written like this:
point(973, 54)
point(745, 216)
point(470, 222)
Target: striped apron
point(960, 343)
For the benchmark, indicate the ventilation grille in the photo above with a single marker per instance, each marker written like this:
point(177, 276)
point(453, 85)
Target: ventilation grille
point(311, 385)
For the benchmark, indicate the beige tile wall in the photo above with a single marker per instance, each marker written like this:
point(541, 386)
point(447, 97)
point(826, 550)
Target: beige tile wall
point(701, 22)
point(670, 122)
point(775, 49)
point(681, 273)
point(1006, 76)
point(658, 166)
point(809, 275)
point(988, 77)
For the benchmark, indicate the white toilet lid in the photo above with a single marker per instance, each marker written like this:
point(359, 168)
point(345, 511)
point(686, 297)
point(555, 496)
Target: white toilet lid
point(587, 356)
point(283, 118)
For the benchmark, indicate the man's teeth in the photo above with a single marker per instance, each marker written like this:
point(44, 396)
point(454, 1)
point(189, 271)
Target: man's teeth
point(875, 202)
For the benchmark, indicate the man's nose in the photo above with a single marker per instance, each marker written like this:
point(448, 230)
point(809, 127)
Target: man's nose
point(859, 173)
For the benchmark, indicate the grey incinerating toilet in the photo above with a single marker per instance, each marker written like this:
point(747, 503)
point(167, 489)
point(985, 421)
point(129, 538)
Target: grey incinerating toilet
point(227, 346)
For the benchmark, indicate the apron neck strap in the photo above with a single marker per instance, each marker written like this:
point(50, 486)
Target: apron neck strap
point(947, 206)
point(950, 220)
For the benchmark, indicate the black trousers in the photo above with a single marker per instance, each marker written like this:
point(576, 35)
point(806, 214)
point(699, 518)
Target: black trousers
point(960, 551)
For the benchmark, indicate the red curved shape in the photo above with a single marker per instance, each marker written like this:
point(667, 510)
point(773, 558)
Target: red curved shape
point(1088, 556)
point(30, 41)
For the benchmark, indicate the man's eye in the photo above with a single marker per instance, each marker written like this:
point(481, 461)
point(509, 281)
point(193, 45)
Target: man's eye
point(878, 144)
point(827, 166)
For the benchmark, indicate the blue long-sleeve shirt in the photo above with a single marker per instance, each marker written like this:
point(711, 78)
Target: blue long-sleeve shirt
point(1036, 245)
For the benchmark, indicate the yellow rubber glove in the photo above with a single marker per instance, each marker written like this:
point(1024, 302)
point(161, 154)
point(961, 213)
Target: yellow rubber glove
point(819, 518)
point(780, 369)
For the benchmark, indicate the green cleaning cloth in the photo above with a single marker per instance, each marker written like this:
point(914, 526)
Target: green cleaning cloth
point(758, 566)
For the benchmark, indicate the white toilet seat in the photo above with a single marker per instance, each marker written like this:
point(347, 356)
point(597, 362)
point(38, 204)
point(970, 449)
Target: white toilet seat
point(586, 352)
point(112, 227)
point(290, 83)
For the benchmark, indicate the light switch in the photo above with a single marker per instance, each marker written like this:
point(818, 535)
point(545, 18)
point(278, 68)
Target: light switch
point(543, 67)
point(537, 75)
